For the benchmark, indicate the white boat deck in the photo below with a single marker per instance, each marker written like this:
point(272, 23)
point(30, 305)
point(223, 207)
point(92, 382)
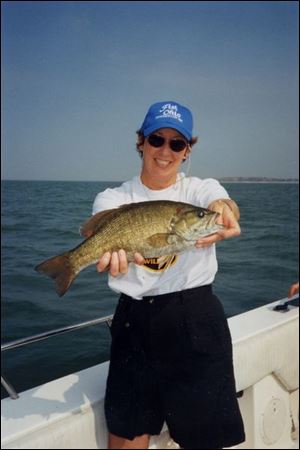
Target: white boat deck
point(263, 319)
point(68, 412)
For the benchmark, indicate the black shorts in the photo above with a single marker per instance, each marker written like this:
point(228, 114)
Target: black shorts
point(171, 361)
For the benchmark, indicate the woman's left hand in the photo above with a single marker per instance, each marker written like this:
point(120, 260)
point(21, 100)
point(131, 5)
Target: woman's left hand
point(226, 218)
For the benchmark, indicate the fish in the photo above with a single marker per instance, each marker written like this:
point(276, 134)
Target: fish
point(155, 229)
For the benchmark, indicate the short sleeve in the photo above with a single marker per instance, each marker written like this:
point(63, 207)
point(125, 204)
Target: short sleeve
point(107, 199)
point(207, 191)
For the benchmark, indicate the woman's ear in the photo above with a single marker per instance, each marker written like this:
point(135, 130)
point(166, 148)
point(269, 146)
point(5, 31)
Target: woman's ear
point(186, 153)
point(141, 149)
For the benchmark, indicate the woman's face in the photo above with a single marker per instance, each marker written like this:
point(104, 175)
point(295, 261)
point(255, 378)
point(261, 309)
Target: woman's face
point(161, 164)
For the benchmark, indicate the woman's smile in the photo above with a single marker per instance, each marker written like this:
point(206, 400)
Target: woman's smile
point(162, 162)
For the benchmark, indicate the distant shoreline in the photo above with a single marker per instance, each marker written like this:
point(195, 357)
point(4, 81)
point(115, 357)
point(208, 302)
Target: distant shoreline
point(222, 180)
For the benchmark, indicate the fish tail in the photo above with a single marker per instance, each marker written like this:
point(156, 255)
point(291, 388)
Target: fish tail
point(61, 270)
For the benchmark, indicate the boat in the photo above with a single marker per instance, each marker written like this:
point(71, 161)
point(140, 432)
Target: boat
point(68, 413)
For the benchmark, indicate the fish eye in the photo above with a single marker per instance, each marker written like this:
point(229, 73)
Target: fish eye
point(201, 214)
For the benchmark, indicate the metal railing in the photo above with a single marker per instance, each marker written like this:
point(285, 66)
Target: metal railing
point(41, 336)
point(283, 305)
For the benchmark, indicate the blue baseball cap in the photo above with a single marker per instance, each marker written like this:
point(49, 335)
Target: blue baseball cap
point(168, 115)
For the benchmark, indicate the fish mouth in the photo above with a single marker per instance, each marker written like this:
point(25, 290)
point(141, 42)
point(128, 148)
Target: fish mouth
point(212, 226)
point(212, 222)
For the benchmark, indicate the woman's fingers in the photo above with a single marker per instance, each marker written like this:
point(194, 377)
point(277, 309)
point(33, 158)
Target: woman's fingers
point(114, 264)
point(103, 263)
point(139, 259)
point(123, 263)
point(117, 262)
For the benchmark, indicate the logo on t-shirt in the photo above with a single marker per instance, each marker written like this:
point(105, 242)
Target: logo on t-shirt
point(160, 264)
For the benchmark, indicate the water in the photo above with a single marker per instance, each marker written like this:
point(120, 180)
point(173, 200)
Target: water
point(41, 219)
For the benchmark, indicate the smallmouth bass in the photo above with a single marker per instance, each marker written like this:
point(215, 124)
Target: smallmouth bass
point(155, 229)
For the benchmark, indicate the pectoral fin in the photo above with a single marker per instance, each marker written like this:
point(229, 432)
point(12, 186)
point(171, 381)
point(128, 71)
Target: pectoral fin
point(160, 240)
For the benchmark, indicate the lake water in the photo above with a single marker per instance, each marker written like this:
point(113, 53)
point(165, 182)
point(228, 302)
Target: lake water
point(41, 219)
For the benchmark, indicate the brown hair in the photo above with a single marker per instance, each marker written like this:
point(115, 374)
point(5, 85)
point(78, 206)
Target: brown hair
point(141, 139)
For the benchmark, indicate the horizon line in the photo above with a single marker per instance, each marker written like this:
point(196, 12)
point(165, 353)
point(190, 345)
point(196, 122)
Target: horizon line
point(226, 178)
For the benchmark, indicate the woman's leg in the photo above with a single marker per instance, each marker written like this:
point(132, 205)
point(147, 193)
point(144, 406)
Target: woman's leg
point(117, 442)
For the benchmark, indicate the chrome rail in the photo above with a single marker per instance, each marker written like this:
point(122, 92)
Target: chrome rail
point(41, 336)
point(9, 388)
point(282, 306)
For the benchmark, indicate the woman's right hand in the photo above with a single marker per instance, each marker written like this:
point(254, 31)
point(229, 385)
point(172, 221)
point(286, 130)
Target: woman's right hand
point(117, 262)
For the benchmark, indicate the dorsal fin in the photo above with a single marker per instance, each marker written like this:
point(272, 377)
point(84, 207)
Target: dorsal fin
point(92, 225)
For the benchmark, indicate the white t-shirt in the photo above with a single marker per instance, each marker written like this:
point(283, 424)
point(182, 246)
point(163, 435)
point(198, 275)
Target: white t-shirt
point(192, 268)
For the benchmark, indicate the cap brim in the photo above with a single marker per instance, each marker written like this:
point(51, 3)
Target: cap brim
point(167, 124)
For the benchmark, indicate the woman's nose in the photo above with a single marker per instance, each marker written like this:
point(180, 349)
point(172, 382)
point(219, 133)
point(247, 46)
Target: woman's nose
point(165, 148)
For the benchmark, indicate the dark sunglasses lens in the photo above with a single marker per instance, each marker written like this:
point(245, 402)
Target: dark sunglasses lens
point(177, 145)
point(156, 141)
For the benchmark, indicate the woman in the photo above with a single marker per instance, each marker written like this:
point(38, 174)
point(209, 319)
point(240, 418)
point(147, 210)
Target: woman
point(171, 353)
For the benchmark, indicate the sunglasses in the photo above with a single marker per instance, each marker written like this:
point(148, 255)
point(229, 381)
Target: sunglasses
point(176, 145)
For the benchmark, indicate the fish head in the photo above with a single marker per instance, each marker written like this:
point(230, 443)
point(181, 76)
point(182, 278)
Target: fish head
point(192, 223)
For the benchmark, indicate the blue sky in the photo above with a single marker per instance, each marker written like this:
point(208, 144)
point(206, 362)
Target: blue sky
point(78, 78)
